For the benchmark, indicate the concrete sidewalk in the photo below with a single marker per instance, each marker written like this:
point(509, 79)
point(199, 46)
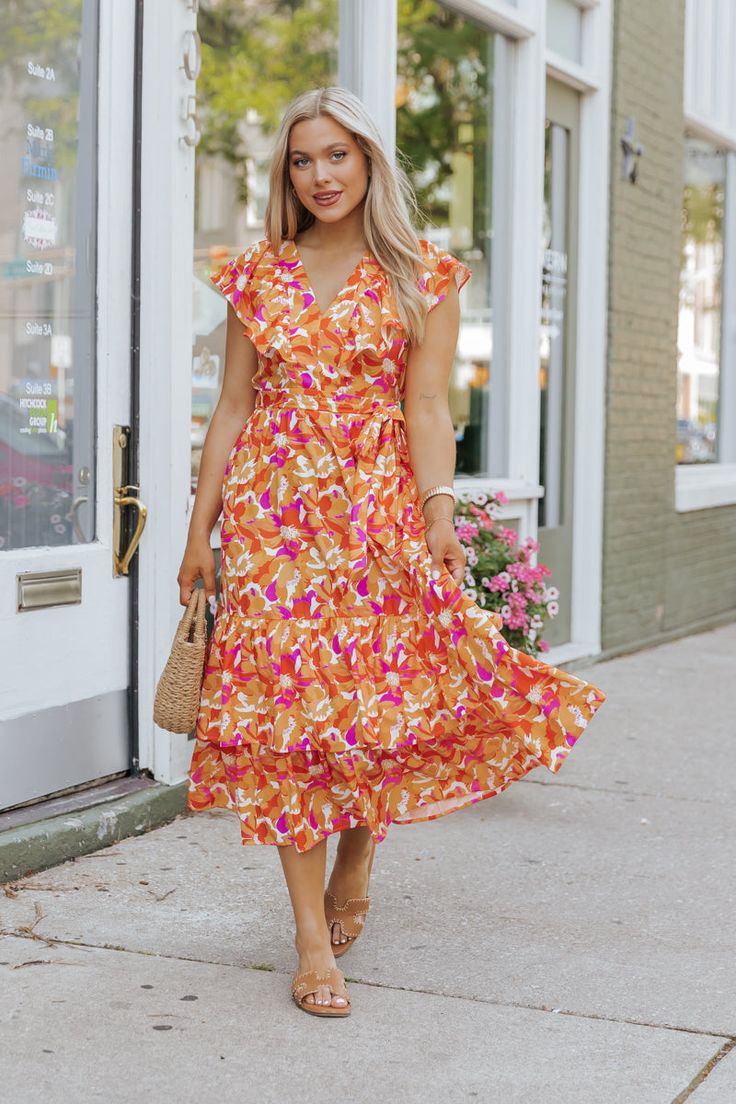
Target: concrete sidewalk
point(571, 940)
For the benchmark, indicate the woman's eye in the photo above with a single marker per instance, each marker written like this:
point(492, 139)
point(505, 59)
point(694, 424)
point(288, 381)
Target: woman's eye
point(342, 154)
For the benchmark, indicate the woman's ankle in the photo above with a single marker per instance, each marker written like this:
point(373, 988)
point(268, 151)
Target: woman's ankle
point(311, 940)
point(353, 852)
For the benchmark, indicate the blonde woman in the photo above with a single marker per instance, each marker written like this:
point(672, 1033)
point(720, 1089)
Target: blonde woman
point(350, 682)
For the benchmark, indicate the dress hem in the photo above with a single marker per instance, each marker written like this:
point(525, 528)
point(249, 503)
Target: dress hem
point(462, 802)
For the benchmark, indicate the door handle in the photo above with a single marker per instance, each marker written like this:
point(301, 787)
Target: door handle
point(122, 560)
point(124, 495)
point(78, 502)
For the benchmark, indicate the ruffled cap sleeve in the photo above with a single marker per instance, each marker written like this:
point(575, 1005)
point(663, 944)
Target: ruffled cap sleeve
point(238, 281)
point(440, 268)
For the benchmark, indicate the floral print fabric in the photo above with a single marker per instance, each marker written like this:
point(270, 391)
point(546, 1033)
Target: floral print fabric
point(343, 685)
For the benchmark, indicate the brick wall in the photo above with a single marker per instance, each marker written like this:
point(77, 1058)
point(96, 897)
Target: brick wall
point(661, 571)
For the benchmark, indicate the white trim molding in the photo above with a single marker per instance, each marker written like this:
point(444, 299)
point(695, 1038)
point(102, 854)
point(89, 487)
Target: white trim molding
point(167, 232)
point(497, 15)
point(710, 75)
point(709, 131)
point(367, 58)
point(591, 339)
point(522, 499)
point(569, 72)
point(702, 486)
point(710, 115)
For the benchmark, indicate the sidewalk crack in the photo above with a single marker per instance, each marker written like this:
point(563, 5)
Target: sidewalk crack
point(619, 793)
point(701, 1075)
point(268, 967)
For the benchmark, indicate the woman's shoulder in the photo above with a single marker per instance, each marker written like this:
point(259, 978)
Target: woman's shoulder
point(433, 253)
point(254, 255)
point(251, 264)
point(441, 267)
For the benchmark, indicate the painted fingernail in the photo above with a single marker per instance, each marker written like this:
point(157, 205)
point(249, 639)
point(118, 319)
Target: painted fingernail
point(435, 573)
point(213, 604)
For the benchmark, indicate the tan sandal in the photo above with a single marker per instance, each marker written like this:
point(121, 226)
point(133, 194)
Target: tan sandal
point(349, 914)
point(310, 981)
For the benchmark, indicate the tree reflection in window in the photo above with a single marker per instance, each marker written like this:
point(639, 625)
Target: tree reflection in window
point(256, 56)
point(444, 129)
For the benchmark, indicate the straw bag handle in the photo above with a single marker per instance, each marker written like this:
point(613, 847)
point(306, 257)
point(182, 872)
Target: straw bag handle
point(191, 627)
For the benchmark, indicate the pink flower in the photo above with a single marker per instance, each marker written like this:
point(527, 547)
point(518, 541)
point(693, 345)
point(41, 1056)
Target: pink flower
point(543, 645)
point(518, 620)
point(501, 498)
point(466, 530)
point(508, 536)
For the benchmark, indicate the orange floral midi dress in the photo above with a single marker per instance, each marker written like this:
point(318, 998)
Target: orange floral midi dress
point(343, 685)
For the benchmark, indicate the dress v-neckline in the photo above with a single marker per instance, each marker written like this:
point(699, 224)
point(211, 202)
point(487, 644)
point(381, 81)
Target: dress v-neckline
point(315, 303)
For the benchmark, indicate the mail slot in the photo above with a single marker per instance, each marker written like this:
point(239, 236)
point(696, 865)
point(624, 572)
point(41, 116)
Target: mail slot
point(41, 589)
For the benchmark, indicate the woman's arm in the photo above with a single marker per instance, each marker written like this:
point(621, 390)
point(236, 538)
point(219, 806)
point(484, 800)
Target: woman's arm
point(430, 432)
point(234, 406)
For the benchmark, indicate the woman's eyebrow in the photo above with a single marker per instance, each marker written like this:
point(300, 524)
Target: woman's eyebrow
point(331, 146)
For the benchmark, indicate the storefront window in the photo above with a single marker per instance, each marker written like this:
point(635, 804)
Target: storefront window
point(48, 105)
point(699, 326)
point(255, 59)
point(445, 129)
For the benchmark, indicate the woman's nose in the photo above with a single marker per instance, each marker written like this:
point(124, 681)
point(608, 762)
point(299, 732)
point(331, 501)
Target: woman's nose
point(321, 174)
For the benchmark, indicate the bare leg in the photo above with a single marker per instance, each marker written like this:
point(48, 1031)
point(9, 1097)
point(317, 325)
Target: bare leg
point(349, 877)
point(305, 878)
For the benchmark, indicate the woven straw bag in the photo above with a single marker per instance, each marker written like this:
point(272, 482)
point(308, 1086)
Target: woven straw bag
point(176, 703)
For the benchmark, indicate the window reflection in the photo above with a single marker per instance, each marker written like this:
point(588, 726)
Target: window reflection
point(553, 314)
point(699, 325)
point(47, 280)
point(255, 59)
point(445, 128)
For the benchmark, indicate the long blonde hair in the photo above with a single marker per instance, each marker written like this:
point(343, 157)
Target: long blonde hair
point(390, 202)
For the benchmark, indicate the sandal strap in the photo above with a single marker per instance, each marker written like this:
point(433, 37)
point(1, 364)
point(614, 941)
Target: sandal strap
point(350, 915)
point(354, 906)
point(310, 981)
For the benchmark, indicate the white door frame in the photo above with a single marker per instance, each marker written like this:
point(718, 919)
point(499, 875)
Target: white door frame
point(166, 250)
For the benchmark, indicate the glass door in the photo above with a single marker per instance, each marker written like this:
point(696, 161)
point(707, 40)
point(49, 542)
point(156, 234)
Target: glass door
point(557, 347)
point(64, 386)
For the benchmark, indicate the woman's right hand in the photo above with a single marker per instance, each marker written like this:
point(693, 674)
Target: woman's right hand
point(198, 563)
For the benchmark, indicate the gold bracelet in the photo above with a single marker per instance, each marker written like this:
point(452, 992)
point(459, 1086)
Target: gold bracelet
point(440, 518)
point(438, 489)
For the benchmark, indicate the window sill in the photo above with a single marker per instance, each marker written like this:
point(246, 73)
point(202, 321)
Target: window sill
point(514, 489)
point(703, 486)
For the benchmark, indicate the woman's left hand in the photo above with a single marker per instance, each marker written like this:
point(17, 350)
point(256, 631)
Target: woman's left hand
point(445, 548)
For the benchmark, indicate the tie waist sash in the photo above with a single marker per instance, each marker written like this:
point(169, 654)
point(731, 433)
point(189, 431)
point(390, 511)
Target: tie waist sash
point(377, 476)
